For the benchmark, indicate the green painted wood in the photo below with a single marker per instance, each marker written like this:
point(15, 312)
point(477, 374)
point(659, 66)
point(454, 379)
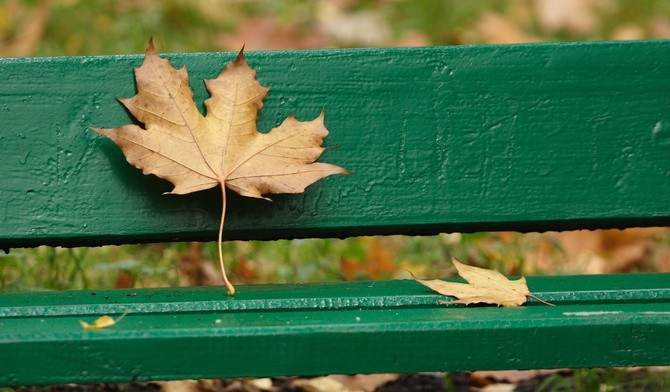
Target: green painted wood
point(357, 327)
point(524, 137)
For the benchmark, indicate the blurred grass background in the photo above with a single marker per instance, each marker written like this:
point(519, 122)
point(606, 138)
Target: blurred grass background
point(76, 27)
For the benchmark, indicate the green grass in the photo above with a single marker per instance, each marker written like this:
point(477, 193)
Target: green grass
point(290, 261)
point(609, 380)
point(284, 261)
point(119, 27)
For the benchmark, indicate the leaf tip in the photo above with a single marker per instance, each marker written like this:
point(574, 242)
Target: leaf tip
point(150, 46)
point(101, 131)
point(410, 272)
point(456, 263)
point(240, 55)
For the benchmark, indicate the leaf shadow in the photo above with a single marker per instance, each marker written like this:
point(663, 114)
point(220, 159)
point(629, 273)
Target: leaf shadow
point(202, 210)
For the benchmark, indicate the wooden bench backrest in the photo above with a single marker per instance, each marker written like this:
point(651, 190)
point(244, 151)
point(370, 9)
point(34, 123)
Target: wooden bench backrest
point(522, 137)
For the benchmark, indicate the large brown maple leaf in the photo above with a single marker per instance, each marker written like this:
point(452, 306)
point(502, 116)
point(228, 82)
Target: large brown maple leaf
point(223, 148)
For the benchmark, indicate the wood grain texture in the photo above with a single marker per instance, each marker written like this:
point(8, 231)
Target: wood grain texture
point(356, 327)
point(523, 137)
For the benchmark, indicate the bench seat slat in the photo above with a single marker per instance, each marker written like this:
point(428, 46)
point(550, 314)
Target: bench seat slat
point(357, 327)
point(614, 288)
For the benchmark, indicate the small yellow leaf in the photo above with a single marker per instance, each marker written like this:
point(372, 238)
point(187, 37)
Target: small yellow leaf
point(101, 322)
point(484, 286)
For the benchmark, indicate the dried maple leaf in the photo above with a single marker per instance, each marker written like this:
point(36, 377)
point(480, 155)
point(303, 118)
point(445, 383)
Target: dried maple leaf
point(223, 148)
point(484, 286)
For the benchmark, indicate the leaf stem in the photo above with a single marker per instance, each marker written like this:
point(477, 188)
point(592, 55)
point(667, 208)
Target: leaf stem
point(229, 286)
point(541, 300)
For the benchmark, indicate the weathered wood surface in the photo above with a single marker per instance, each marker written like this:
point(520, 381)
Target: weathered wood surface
point(525, 137)
point(356, 327)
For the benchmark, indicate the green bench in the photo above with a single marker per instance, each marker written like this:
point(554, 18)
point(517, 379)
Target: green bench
point(478, 138)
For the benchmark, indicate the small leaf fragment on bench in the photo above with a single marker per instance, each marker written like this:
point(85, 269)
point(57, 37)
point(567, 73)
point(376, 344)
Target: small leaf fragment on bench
point(101, 322)
point(223, 148)
point(484, 286)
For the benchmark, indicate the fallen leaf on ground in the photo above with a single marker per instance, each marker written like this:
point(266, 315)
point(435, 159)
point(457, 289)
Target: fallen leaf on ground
point(319, 384)
point(484, 286)
point(266, 32)
point(514, 376)
point(376, 263)
point(364, 382)
point(223, 148)
point(101, 322)
point(577, 16)
point(499, 388)
point(497, 29)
